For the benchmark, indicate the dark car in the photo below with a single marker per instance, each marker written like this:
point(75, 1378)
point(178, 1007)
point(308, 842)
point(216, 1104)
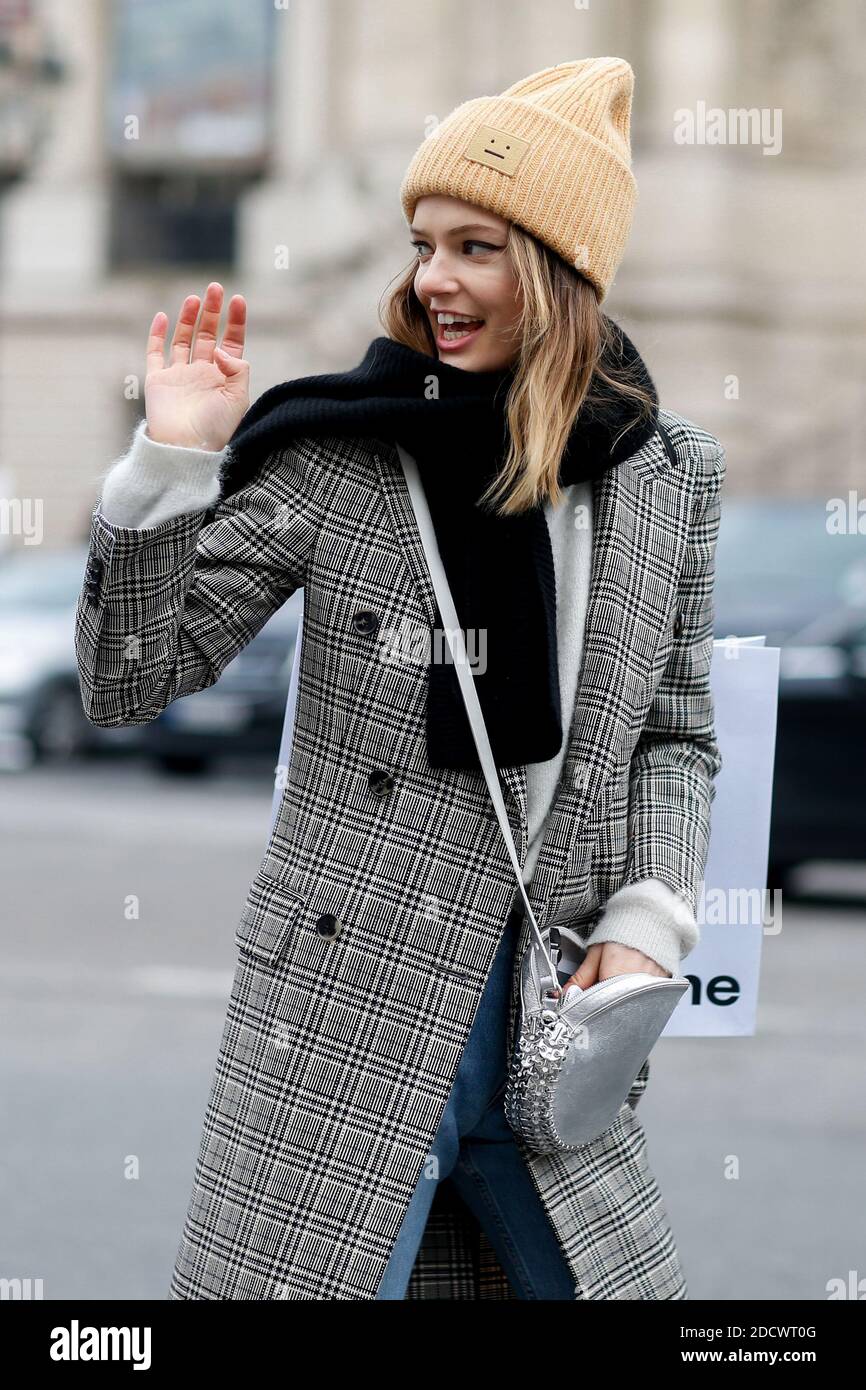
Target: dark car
point(782, 571)
point(41, 715)
point(242, 713)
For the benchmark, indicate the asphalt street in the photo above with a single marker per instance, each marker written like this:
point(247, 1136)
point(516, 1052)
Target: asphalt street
point(122, 888)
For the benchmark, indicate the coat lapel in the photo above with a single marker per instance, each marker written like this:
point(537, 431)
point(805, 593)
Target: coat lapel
point(641, 513)
point(641, 518)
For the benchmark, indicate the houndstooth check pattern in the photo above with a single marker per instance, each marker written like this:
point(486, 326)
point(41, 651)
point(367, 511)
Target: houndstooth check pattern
point(338, 1052)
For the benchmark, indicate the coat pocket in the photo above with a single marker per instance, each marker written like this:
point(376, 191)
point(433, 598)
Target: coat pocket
point(271, 914)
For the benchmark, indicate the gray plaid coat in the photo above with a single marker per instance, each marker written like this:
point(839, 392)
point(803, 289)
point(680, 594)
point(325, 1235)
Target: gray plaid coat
point(372, 922)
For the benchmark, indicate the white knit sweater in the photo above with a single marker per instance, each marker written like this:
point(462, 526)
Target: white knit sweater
point(152, 482)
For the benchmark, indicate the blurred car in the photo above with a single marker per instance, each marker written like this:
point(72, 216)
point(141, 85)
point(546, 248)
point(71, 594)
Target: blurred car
point(780, 572)
point(41, 715)
point(241, 714)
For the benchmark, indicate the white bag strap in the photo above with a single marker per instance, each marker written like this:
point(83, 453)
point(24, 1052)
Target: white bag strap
point(454, 636)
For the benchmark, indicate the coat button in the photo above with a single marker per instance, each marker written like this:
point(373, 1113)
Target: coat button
point(679, 624)
point(92, 577)
point(328, 925)
point(365, 622)
point(380, 783)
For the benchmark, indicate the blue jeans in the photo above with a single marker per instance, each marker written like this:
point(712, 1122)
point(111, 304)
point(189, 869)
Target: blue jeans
point(475, 1148)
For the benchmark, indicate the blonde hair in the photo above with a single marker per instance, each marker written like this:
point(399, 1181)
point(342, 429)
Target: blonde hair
point(562, 338)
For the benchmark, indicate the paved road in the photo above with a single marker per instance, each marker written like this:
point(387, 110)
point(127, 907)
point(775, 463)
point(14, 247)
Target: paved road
point(112, 1014)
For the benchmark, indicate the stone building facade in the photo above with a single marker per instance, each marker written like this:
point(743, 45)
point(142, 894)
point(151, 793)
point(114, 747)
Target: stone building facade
point(743, 284)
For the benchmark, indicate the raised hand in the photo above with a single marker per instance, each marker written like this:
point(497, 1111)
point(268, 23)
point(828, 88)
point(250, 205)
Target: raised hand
point(199, 399)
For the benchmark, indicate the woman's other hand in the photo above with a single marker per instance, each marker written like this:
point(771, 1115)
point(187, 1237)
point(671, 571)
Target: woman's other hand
point(199, 398)
point(610, 958)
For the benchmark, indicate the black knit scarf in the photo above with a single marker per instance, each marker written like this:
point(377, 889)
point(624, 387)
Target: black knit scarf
point(500, 569)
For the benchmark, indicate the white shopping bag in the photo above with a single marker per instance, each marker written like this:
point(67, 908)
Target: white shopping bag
point(285, 753)
point(734, 907)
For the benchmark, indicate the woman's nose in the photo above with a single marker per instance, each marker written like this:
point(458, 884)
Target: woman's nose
point(436, 278)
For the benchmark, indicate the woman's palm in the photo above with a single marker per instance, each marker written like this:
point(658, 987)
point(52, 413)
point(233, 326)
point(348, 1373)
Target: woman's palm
point(200, 397)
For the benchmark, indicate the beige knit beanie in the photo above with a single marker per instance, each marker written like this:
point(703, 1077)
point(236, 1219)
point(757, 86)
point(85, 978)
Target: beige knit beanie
point(551, 154)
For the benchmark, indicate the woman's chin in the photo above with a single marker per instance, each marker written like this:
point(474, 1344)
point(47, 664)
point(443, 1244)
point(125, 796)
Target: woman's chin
point(474, 359)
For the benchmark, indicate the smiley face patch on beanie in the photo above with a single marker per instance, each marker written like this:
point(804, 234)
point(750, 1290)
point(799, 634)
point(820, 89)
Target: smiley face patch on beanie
point(497, 148)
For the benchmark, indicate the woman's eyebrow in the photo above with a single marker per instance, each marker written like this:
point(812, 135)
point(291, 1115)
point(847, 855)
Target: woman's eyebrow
point(467, 227)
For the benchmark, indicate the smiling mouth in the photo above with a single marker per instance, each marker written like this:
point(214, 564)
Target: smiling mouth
point(449, 334)
point(452, 332)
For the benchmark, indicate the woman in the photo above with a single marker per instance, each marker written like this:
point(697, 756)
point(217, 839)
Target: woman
point(357, 1101)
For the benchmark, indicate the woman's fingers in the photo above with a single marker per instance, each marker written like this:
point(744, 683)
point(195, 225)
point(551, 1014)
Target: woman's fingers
point(236, 327)
point(155, 355)
point(183, 331)
point(587, 972)
point(182, 349)
point(610, 958)
point(206, 332)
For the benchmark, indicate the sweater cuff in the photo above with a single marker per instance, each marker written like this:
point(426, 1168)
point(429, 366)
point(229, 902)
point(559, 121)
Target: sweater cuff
point(153, 481)
point(649, 916)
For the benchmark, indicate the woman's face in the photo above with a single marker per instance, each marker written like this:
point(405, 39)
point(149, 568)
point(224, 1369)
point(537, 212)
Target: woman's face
point(464, 269)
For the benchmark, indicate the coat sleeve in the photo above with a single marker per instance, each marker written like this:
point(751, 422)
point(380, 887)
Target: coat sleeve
point(165, 608)
point(677, 758)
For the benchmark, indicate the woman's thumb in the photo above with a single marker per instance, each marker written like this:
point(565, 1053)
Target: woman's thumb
point(586, 973)
point(228, 365)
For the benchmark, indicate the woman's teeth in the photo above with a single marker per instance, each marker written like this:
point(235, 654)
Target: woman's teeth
point(456, 326)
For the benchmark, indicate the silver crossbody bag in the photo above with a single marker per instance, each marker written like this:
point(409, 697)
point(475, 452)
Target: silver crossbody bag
point(576, 1055)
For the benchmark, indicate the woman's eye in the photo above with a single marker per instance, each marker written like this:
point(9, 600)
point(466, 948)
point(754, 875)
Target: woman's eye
point(485, 246)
